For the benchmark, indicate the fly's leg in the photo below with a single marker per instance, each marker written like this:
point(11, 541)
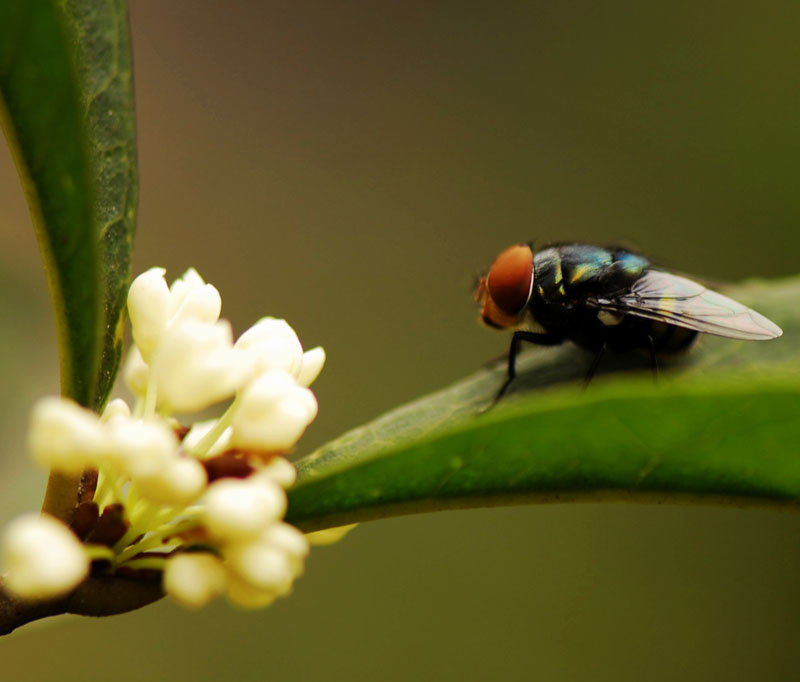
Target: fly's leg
point(513, 351)
point(595, 364)
point(653, 359)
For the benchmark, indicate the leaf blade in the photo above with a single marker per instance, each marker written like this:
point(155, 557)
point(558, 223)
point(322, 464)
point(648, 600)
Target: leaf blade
point(42, 120)
point(105, 68)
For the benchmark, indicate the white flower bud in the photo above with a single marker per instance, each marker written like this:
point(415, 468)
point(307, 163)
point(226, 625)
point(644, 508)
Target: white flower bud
point(141, 448)
point(135, 372)
point(273, 413)
point(271, 344)
point(196, 366)
point(291, 542)
point(244, 595)
point(279, 470)
point(115, 409)
point(193, 579)
point(313, 361)
point(239, 509)
point(43, 557)
point(286, 538)
point(148, 305)
point(178, 482)
point(261, 565)
point(64, 436)
point(191, 298)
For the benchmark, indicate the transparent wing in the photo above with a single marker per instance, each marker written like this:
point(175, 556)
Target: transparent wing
point(676, 300)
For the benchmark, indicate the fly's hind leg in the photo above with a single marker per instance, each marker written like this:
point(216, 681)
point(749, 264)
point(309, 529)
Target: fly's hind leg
point(513, 351)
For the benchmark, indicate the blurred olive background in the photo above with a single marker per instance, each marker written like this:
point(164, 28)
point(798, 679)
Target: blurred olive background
point(352, 167)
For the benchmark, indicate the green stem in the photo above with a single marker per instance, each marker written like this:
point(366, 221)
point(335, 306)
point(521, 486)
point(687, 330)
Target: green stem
point(215, 432)
point(155, 539)
point(99, 552)
point(150, 562)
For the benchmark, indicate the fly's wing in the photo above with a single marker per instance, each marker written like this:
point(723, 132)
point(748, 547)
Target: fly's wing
point(676, 300)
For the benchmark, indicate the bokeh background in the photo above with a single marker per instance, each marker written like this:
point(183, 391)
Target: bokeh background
point(351, 167)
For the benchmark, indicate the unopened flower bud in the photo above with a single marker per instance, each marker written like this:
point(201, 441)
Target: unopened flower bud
point(179, 481)
point(148, 306)
point(279, 470)
point(141, 448)
point(191, 298)
point(239, 509)
point(261, 565)
point(115, 409)
point(194, 578)
point(273, 413)
point(246, 596)
point(196, 366)
point(64, 436)
point(43, 557)
point(271, 344)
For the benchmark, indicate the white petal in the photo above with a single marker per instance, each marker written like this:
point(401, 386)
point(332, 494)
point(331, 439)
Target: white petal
point(192, 298)
point(116, 408)
point(313, 361)
point(272, 344)
point(193, 579)
point(135, 372)
point(65, 436)
point(43, 557)
point(148, 302)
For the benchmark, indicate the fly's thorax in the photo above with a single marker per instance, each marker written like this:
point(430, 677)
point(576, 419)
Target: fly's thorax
point(574, 270)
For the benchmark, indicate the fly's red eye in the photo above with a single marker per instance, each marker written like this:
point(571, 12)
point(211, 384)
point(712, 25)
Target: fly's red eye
point(510, 279)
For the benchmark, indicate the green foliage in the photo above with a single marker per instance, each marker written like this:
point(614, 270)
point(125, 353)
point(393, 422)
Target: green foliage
point(719, 426)
point(66, 86)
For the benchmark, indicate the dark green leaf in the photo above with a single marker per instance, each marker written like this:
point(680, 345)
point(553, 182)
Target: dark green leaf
point(721, 425)
point(102, 38)
point(65, 81)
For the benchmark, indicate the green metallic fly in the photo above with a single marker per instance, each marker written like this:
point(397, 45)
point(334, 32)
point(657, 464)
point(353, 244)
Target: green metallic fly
point(605, 298)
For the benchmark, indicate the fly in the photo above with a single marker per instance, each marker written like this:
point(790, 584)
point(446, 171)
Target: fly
point(605, 298)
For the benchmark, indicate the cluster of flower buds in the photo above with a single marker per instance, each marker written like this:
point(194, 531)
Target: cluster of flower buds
point(203, 505)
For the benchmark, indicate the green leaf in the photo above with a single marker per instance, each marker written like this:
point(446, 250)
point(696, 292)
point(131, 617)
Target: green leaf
point(101, 36)
point(720, 426)
point(66, 87)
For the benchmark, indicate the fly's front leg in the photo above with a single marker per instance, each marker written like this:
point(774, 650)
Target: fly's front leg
point(516, 342)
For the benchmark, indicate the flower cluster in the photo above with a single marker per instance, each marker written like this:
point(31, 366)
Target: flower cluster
point(202, 505)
